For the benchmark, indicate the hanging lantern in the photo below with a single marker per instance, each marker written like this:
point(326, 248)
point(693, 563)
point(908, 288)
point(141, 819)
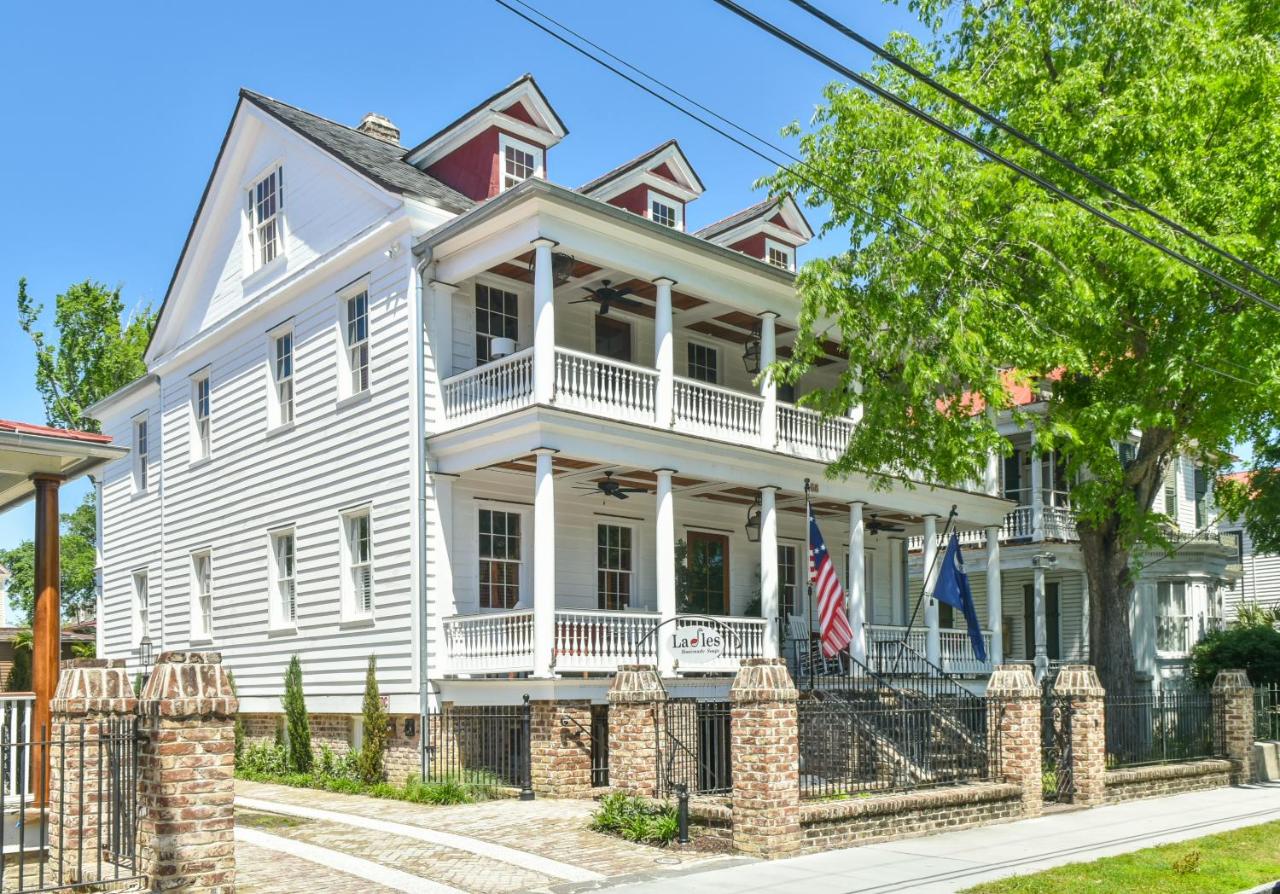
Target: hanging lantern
point(561, 268)
point(751, 351)
point(753, 522)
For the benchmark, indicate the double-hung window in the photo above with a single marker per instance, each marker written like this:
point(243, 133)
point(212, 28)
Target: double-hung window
point(1172, 624)
point(1171, 490)
point(500, 558)
point(201, 596)
point(356, 311)
point(520, 161)
point(665, 211)
point(497, 316)
point(265, 201)
point(284, 578)
point(202, 442)
point(1201, 490)
point(141, 454)
point(786, 581)
point(358, 551)
point(703, 363)
point(615, 567)
point(282, 376)
point(141, 606)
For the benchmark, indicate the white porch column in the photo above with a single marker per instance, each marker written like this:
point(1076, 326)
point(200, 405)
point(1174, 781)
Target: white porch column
point(1041, 621)
point(855, 406)
point(1037, 496)
point(665, 553)
point(995, 611)
point(544, 323)
point(439, 316)
point(544, 563)
point(991, 476)
point(933, 634)
point(769, 571)
point(664, 352)
point(858, 595)
point(768, 387)
point(1084, 616)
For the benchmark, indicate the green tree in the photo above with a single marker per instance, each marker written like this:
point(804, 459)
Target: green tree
point(77, 557)
point(296, 722)
point(96, 351)
point(961, 278)
point(1256, 500)
point(19, 679)
point(369, 760)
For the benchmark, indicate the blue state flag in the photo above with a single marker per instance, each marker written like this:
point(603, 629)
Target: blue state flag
point(952, 587)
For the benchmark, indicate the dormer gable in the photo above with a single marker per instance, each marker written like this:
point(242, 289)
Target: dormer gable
point(495, 145)
point(771, 230)
point(657, 184)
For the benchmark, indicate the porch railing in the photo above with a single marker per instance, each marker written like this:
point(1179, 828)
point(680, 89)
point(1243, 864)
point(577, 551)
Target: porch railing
point(883, 640)
point(804, 431)
point(958, 656)
point(600, 385)
point(716, 411)
point(501, 642)
point(745, 639)
point(601, 640)
point(493, 388)
point(1018, 524)
point(15, 720)
point(1059, 523)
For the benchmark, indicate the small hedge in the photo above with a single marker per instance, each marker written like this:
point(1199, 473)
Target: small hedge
point(636, 819)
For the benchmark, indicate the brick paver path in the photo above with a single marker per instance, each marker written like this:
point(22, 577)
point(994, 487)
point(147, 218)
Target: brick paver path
point(555, 829)
point(261, 871)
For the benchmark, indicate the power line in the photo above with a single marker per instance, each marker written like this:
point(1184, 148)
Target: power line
point(896, 100)
point(1014, 132)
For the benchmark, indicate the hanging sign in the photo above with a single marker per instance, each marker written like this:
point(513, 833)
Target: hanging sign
point(697, 644)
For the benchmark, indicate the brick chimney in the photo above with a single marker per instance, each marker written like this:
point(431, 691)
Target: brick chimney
point(380, 128)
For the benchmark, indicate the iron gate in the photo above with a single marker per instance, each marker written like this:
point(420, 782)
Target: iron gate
point(1056, 716)
point(693, 747)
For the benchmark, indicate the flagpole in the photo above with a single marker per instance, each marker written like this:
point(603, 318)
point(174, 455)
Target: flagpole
point(924, 584)
point(808, 579)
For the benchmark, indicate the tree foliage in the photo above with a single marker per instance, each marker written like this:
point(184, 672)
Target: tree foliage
point(369, 762)
point(95, 353)
point(298, 726)
point(1253, 646)
point(77, 558)
point(1256, 500)
point(962, 279)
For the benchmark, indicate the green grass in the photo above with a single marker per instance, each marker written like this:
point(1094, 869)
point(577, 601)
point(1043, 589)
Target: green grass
point(1217, 864)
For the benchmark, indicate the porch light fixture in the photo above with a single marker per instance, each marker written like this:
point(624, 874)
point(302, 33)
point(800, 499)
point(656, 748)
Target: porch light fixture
point(144, 654)
point(751, 351)
point(753, 522)
point(561, 268)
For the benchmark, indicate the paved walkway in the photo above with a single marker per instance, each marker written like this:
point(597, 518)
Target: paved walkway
point(957, 860)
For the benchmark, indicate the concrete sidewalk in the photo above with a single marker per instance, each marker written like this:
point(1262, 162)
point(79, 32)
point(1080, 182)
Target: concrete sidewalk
point(956, 860)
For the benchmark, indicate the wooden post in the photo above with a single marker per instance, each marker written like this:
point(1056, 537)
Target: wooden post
point(46, 633)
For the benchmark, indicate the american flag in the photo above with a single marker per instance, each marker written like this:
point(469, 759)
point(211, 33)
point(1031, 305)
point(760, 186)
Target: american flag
point(833, 621)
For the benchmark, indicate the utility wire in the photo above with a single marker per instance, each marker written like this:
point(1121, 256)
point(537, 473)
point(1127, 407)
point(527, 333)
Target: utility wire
point(1000, 123)
point(896, 100)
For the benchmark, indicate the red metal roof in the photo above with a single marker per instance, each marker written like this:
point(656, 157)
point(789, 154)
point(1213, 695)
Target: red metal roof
point(48, 431)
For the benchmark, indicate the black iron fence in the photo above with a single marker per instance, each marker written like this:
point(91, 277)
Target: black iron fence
point(479, 745)
point(693, 747)
point(1162, 727)
point(1266, 711)
point(1057, 717)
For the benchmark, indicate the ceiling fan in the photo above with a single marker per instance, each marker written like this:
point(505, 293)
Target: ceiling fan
point(607, 297)
point(875, 526)
point(608, 487)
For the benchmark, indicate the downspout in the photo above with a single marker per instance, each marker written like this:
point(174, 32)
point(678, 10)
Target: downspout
point(417, 319)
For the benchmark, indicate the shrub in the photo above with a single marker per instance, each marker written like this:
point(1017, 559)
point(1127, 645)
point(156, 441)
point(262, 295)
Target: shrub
point(369, 763)
point(636, 819)
point(239, 725)
point(1254, 648)
point(295, 712)
point(263, 760)
point(19, 679)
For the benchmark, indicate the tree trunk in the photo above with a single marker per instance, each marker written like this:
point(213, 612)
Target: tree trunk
point(1110, 606)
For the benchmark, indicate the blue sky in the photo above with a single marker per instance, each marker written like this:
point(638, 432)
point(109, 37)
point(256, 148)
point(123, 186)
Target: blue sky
point(114, 114)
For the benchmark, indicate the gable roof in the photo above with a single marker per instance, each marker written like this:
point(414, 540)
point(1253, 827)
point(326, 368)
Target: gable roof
point(638, 161)
point(784, 204)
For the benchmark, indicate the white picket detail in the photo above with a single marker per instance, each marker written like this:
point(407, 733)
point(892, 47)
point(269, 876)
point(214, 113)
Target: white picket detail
point(497, 642)
point(719, 412)
point(601, 385)
point(496, 387)
point(16, 714)
point(604, 640)
point(957, 652)
point(1018, 524)
point(805, 432)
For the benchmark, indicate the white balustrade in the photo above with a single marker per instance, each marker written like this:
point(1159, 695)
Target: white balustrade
point(497, 642)
point(1018, 524)
point(743, 638)
point(1059, 523)
point(718, 412)
point(603, 640)
point(608, 387)
point(16, 710)
point(883, 640)
point(493, 388)
point(958, 656)
point(807, 433)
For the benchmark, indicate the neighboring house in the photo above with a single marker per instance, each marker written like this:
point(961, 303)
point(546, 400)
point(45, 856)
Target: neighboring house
point(1259, 582)
point(72, 635)
point(395, 397)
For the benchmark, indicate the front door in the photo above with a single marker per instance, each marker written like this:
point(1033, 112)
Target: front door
point(1050, 620)
point(613, 338)
point(708, 570)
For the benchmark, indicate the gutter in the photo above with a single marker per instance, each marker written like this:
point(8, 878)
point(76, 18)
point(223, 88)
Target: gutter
point(418, 460)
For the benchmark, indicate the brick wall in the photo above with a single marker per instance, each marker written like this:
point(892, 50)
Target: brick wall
point(636, 698)
point(333, 731)
point(402, 758)
point(261, 729)
point(1132, 783)
point(766, 759)
point(560, 748)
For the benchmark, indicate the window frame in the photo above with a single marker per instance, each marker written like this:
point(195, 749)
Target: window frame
point(506, 142)
point(141, 425)
point(352, 607)
point(201, 448)
point(793, 584)
point(1163, 617)
point(484, 340)
point(1169, 489)
point(695, 344)
point(283, 614)
point(630, 572)
point(253, 244)
point(523, 563)
point(677, 209)
point(781, 247)
point(141, 598)
point(201, 594)
point(347, 387)
point(283, 410)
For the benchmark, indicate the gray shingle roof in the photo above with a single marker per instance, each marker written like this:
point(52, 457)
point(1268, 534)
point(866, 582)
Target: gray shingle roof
point(746, 214)
point(380, 161)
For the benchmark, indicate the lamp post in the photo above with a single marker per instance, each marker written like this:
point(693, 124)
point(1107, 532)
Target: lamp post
point(1039, 563)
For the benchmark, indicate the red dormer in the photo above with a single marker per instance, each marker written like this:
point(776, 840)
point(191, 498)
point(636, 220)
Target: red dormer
point(771, 231)
point(656, 185)
point(496, 145)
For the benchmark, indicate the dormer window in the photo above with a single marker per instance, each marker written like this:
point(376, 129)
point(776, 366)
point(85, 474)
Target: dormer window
point(264, 202)
point(664, 211)
point(520, 161)
point(778, 255)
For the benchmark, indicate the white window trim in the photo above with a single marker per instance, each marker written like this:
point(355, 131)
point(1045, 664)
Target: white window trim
point(513, 287)
point(663, 199)
point(346, 388)
point(633, 603)
point(201, 446)
point(1187, 616)
point(253, 269)
point(200, 631)
point(710, 345)
point(352, 613)
point(142, 459)
point(140, 624)
point(782, 247)
point(275, 407)
point(539, 164)
point(525, 597)
point(278, 620)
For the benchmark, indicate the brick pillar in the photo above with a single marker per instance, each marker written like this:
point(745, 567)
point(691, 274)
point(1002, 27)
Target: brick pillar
point(1080, 684)
point(636, 700)
point(186, 783)
point(765, 759)
point(1233, 714)
point(90, 694)
point(560, 748)
point(1013, 725)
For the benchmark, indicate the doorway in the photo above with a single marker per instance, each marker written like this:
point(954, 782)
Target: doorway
point(707, 565)
point(1051, 646)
